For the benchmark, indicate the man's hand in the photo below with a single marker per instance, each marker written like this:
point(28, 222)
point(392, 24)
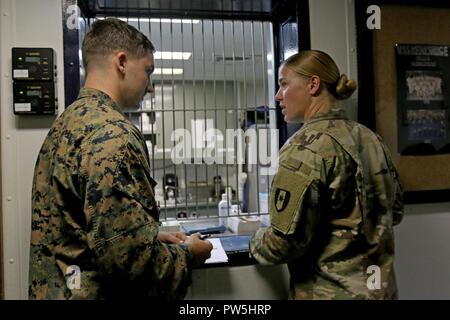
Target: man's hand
point(171, 237)
point(200, 249)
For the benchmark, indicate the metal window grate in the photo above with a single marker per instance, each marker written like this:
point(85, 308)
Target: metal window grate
point(212, 76)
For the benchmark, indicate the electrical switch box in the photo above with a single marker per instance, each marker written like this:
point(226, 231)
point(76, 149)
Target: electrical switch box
point(33, 64)
point(34, 97)
point(34, 81)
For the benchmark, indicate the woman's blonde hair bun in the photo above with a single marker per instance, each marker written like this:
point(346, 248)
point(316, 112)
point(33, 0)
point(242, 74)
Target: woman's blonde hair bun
point(345, 87)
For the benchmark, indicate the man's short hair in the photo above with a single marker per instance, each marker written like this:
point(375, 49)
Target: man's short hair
point(111, 35)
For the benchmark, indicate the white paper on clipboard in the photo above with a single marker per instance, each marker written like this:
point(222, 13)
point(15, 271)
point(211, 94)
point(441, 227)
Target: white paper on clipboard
point(218, 254)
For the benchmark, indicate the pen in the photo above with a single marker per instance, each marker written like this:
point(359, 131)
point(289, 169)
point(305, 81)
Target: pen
point(204, 236)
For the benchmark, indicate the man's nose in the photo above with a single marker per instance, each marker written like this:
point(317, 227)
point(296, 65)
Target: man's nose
point(150, 88)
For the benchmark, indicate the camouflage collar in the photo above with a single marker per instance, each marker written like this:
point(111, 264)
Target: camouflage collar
point(99, 95)
point(333, 114)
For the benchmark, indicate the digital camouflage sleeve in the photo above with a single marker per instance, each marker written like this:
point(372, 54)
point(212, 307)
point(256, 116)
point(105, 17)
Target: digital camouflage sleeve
point(333, 204)
point(94, 208)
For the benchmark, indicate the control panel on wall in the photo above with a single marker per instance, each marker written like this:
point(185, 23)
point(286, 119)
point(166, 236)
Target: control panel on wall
point(34, 76)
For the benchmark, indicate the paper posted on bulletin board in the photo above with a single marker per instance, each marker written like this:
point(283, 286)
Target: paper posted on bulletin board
point(423, 99)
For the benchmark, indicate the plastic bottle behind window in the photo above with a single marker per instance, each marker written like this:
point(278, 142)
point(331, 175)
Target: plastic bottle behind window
point(224, 208)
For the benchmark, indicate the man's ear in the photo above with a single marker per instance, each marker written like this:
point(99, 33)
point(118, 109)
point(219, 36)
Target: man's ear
point(314, 85)
point(121, 60)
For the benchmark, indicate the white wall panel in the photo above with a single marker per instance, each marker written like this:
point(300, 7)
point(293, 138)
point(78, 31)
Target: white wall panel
point(333, 30)
point(25, 23)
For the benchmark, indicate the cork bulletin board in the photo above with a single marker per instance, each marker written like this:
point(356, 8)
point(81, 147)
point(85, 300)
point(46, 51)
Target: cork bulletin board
point(407, 25)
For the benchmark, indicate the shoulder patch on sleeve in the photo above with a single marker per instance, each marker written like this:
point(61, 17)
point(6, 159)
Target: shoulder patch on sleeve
point(286, 198)
point(281, 199)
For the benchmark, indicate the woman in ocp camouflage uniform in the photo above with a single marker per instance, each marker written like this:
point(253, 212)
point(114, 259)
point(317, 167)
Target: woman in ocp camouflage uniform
point(336, 195)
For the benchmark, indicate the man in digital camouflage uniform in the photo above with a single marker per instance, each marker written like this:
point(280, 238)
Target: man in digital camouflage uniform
point(333, 204)
point(93, 202)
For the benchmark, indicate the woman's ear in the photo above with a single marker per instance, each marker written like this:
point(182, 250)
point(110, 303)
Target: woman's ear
point(314, 85)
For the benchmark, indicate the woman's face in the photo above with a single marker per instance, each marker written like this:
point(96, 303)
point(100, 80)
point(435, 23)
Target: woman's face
point(293, 95)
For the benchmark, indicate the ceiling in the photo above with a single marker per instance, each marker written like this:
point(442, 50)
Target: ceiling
point(220, 49)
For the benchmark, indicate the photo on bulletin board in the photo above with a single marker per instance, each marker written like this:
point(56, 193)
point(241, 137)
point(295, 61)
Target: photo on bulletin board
point(423, 99)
